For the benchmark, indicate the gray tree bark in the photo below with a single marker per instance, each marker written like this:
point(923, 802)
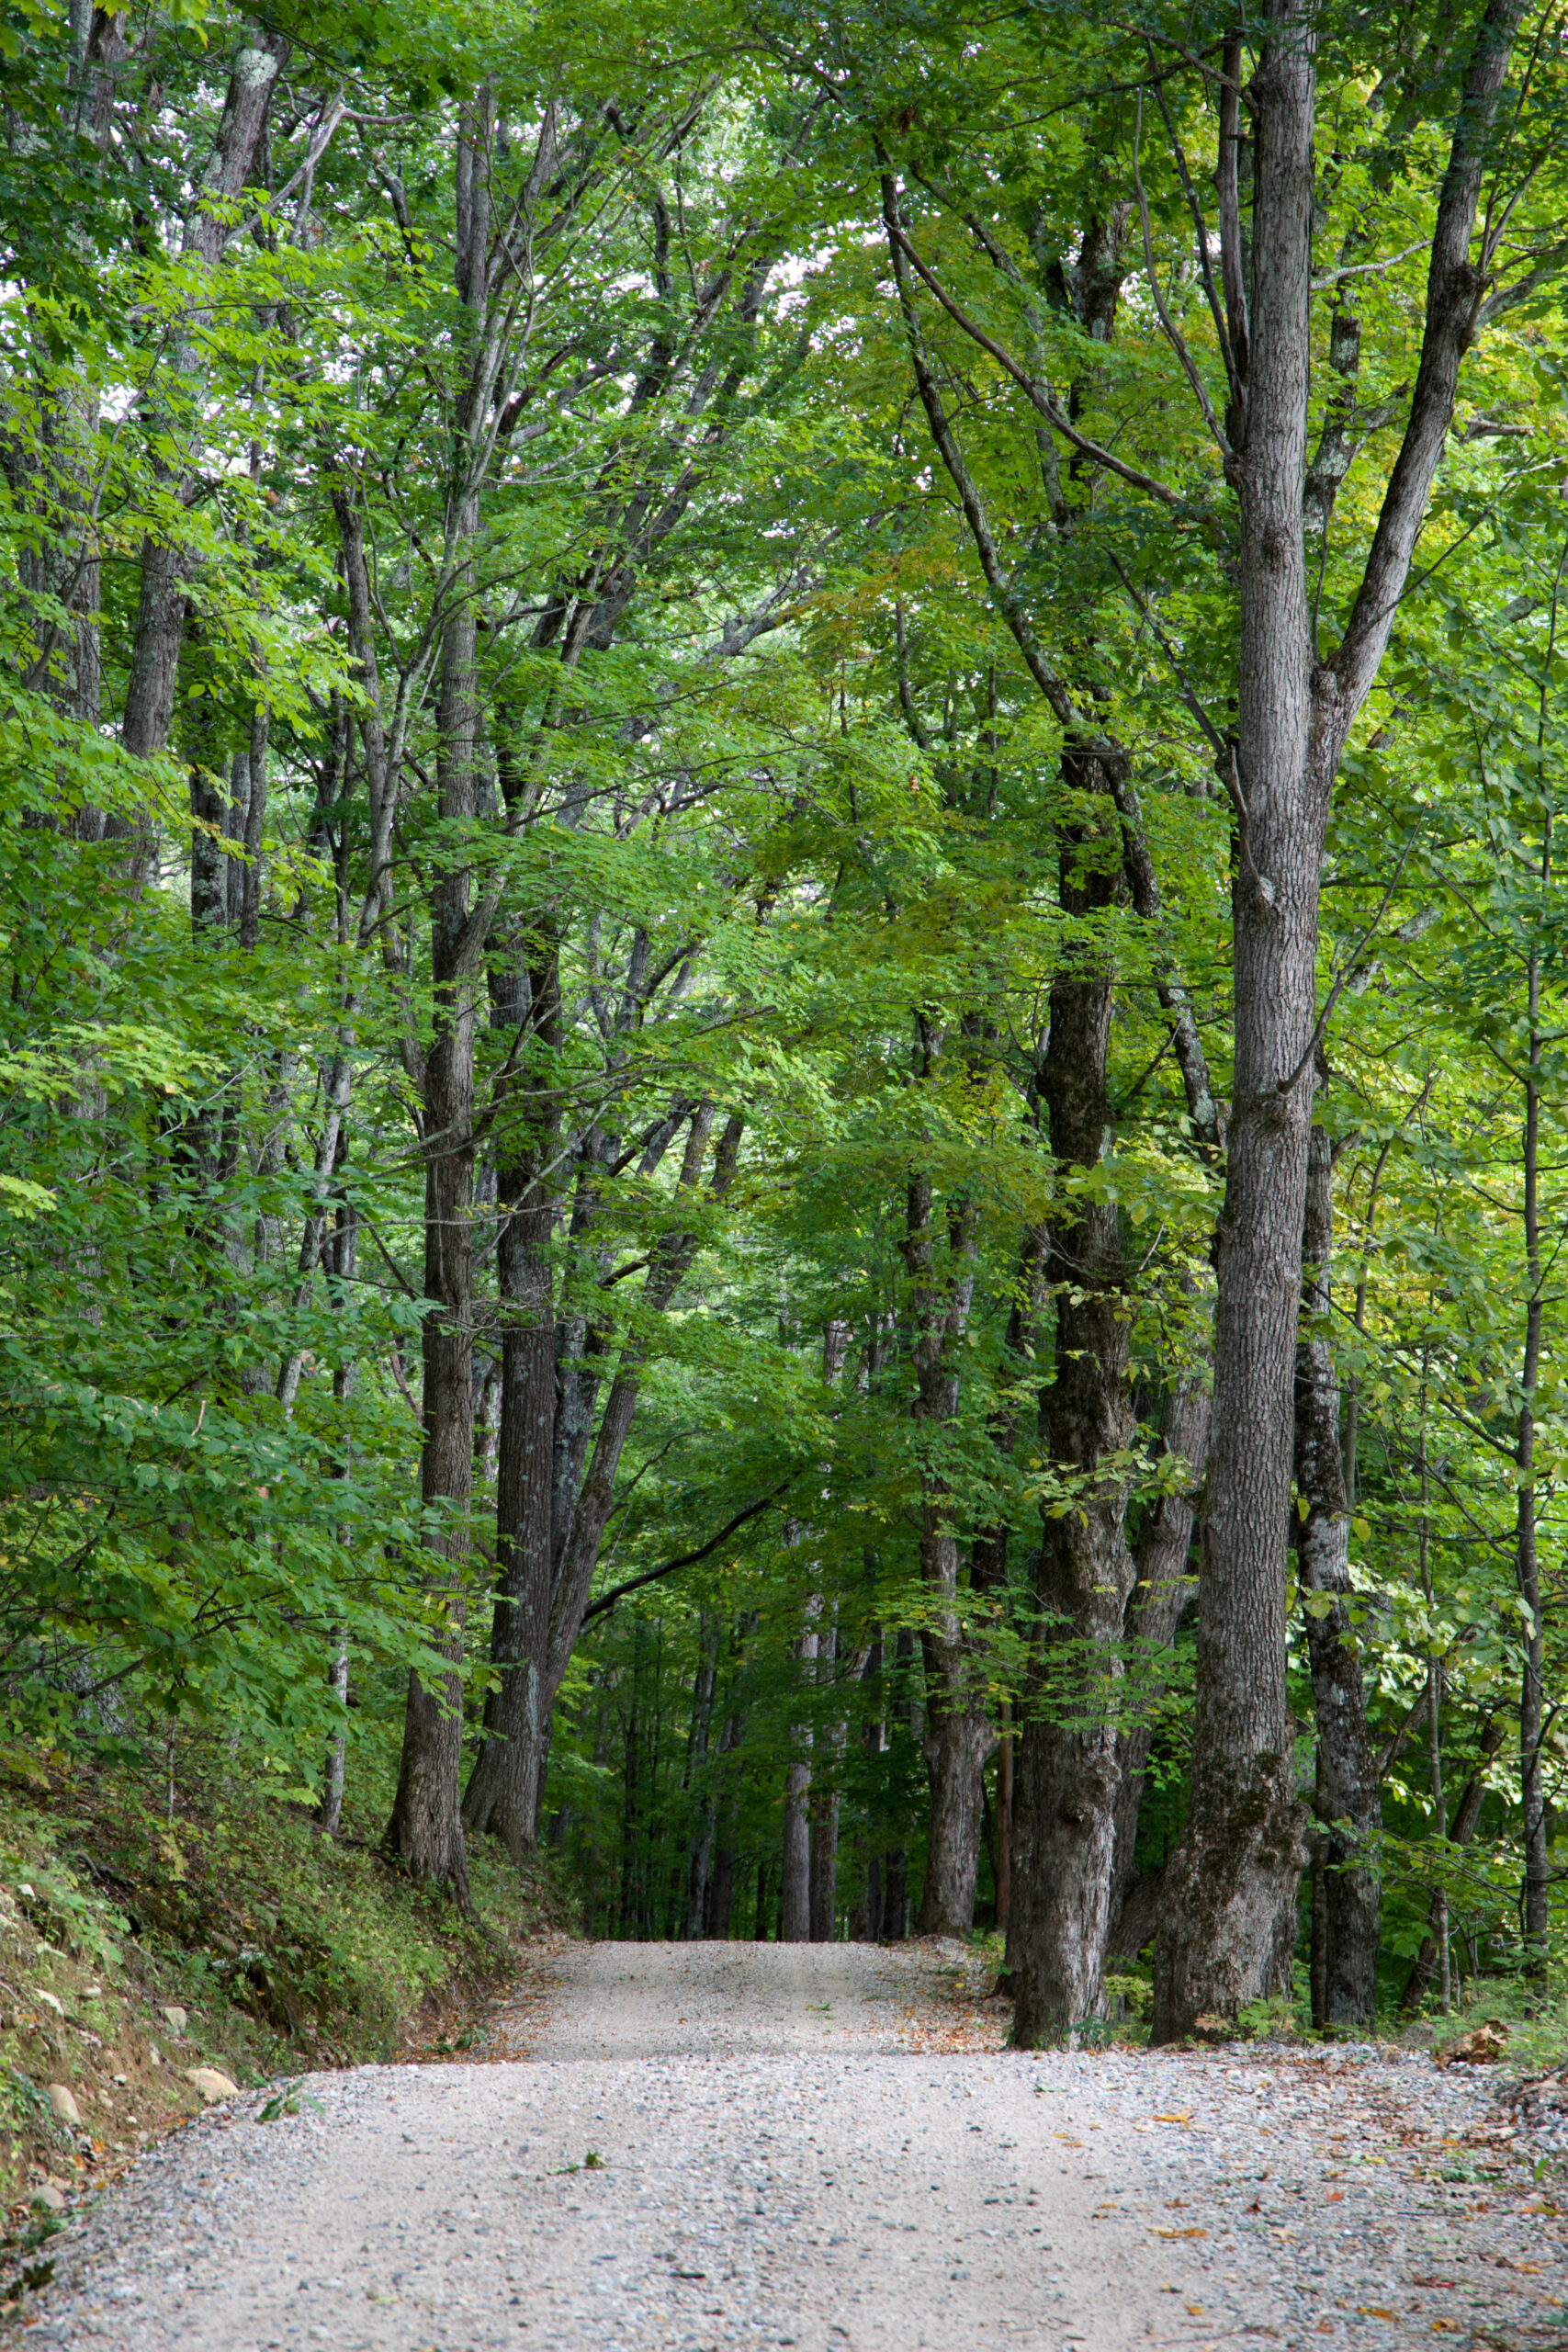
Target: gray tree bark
point(1230, 1886)
point(1162, 1588)
point(959, 1736)
point(828, 1765)
point(1348, 1794)
point(1228, 1926)
point(1066, 1769)
point(503, 1791)
point(424, 1836)
point(1527, 1563)
point(795, 1917)
point(425, 1833)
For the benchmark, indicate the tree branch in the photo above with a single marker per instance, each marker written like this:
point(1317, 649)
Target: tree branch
point(689, 1559)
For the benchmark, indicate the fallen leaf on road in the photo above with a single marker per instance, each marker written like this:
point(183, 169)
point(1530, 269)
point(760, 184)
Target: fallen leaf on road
point(1481, 2048)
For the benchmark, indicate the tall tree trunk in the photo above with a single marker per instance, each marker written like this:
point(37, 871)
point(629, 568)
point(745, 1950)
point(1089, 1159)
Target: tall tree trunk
point(794, 1927)
point(1532, 1786)
point(1348, 1794)
point(828, 1764)
point(699, 1845)
point(1229, 1911)
point(1438, 1939)
point(425, 1833)
point(1004, 1827)
point(724, 1864)
point(503, 1793)
point(1161, 1590)
point(718, 1897)
point(958, 1736)
point(1465, 1822)
point(344, 1253)
point(895, 1885)
point(1230, 1908)
point(1066, 1771)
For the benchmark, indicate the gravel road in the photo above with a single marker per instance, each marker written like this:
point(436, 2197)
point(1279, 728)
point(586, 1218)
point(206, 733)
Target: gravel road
point(701, 2146)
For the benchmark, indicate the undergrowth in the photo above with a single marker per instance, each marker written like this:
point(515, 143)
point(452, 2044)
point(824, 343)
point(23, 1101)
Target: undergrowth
point(157, 1920)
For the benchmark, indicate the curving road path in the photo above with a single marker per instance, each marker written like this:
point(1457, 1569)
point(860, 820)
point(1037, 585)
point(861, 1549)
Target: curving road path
point(701, 2146)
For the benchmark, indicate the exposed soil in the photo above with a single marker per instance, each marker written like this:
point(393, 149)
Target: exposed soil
point(741, 2144)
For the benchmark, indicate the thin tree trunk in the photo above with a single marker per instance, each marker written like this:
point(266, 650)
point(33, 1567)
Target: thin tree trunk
point(699, 1849)
point(625, 1925)
point(1536, 1908)
point(344, 1258)
point(330, 1812)
point(826, 1768)
point(1004, 1825)
point(1433, 1953)
point(503, 1793)
point(959, 1737)
point(794, 1926)
point(1439, 1936)
point(724, 1864)
point(1067, 1772)
point(896, 1893)
point(425, 1833)
point(1349, 1792)
point(165, 574)
point(1161, 1590)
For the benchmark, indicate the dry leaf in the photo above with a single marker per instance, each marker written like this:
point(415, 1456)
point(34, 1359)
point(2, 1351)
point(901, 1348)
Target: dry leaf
point(1481, 2048)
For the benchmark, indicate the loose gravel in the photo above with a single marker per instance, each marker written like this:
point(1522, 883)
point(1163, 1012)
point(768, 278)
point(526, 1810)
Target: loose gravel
point(701, 2146)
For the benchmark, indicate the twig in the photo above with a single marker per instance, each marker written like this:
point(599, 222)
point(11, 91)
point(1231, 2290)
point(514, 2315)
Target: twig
point(1349, 966)
point(1189, 692)
point(402, 1378)
point(1174, 335)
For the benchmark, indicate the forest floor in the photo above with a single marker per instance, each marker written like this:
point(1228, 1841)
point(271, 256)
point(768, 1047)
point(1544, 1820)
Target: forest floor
point(718, 2145)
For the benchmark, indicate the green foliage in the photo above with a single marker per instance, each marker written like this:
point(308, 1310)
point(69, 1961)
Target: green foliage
point(766, 780)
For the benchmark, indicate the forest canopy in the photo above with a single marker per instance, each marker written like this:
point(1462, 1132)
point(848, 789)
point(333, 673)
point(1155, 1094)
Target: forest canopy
point(783, 1013)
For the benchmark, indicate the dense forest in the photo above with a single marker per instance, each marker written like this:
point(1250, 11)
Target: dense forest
point(783, 1009)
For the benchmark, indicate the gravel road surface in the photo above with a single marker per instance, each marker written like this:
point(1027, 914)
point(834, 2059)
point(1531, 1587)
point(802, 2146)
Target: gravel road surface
point(701, 2146)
